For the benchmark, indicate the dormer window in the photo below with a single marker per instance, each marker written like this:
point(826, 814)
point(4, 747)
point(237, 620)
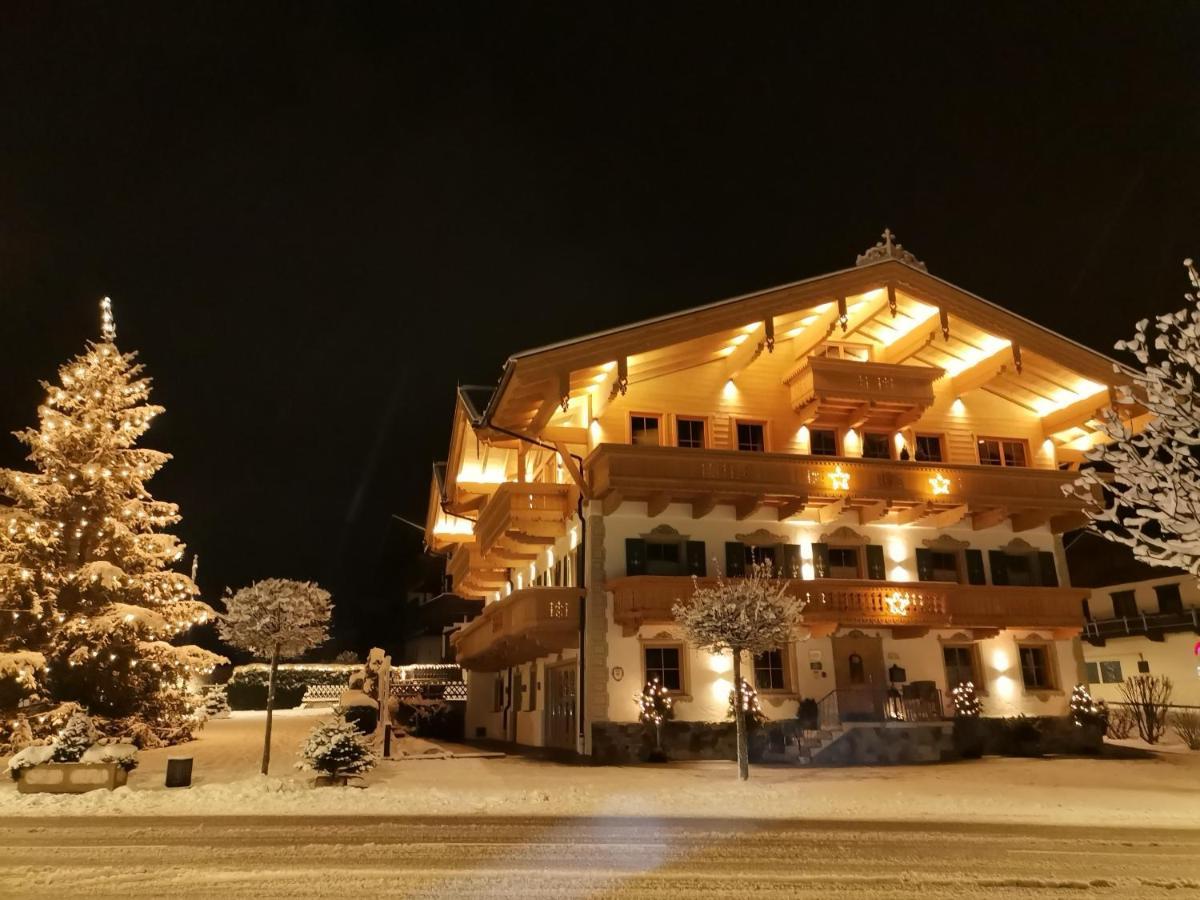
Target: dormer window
point(855, 352)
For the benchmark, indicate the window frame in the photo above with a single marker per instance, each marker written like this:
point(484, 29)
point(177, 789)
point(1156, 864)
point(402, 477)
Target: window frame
point(785, 670)
point(1177, 599)
point(972, 649)
point(644, 414)
point(705, 430)
point(668, 644)
point(1001, 441)
point(761, 423)
point(1050, 667)
point(859, 559)
point(837, 442)
point(1122, 596)
point(888, 442)
point(941, 444)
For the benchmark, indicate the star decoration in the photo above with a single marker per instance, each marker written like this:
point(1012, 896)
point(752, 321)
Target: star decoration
point(898, 603)
point(939, 484)
point(839, 480)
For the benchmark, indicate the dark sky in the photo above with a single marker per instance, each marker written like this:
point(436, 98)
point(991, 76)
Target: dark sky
point(315, 220)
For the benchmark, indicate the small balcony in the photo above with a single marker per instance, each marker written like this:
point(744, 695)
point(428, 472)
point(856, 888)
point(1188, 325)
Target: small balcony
point(523, 517)
point(852, 394)
point(528, 623)
point(1155, 626)
point(821, 488)
point(910, 607)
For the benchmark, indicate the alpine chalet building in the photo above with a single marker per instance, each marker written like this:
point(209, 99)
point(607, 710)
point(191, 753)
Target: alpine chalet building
point(895, 445)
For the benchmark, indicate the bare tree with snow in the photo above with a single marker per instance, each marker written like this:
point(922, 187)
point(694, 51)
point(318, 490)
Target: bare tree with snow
point(751, 615)
point(1144, 491)
point(276, 619)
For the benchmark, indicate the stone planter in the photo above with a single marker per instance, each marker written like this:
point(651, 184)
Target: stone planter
point(70, 778)
point(339, 781)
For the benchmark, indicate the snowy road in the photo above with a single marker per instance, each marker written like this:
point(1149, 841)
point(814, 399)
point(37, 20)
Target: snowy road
point(575, 858)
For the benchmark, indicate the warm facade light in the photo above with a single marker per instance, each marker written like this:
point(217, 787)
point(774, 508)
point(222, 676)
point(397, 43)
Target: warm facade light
point(939, 484)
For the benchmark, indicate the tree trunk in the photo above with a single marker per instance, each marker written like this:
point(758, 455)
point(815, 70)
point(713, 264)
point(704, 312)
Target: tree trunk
point(739, 716)
point(266, 763)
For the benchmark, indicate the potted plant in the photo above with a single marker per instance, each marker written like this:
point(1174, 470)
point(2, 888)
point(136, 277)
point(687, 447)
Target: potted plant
point(337, 752)
point(808, 715)
point(74, 762)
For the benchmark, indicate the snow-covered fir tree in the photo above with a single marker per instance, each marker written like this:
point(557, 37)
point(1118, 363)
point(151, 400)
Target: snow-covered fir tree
point(88, 591)
point(216, 702)
point(75, 738)
point(741, 615)
point(1144, 489)
point(335, 747)
point(1085, 710)
point(276, 619)
point(747, 700)
point(654, 707)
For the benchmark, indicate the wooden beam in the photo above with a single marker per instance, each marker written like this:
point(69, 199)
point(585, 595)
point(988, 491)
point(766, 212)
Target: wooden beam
point(872, 512)
point(557, 388)
point(611, 503)
point(1077, 413)
point(988, 518)
point(831, 511)
point(657, 503)
point(984, 634)
point(809, 411)
point(1067, 522)
point(568, 462)
point(947, 517)
point(745, 353)
point(745, 507)
point(979, 373)
point(859, 415)
point(564, 434)
point(907, 632)
point(790, 508)
point(1030, 518)
point(902, 348)
point(911, 514)
point(820, 629)
point(702, 506)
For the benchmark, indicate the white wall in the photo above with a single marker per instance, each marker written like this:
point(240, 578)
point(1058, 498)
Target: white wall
point(1174, 657)
point(1101, 603)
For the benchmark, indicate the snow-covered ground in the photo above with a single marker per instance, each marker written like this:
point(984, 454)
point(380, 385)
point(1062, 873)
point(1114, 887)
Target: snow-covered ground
point(1159, 792)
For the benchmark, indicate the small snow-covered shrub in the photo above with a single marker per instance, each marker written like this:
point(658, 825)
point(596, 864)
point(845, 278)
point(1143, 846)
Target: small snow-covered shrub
point(1187, 726)
point(1085, 710)
point(76, 736)
point(216, 702)
point(28, 758)
point(1120, 722)
point(124, 755)
point(336, 748)
point(423, 715)
point(77, 742)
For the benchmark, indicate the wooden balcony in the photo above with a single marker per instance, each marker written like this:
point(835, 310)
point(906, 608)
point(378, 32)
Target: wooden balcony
point(526, 624)
point(911, 608)
point(522, 518)
point(850, 394)
point(822, 488)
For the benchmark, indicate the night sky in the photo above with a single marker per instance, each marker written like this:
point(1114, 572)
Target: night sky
point(314, 221)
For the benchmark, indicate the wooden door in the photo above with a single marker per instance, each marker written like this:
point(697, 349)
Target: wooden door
point(861, 678)
point(560, 706)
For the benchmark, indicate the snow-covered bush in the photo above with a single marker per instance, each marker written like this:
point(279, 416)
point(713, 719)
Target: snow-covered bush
point(77, 742)
point(1085, 710)
point(751, 708)
point(335, 747)
point(1120, 722)
point(216, 702)
point(1187, 727)
point(76, 737)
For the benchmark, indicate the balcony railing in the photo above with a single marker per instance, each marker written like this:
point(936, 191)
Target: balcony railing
point(526, 624)
point(832, 603)
point(888, 490)
point(526, 514)
point(1152, 625)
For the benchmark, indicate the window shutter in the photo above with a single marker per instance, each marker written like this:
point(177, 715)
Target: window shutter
point(876, 570)
point(820, 560)
point(697, 564)
point(792, 566)
point(735, 558)
point(635, 556)
point(975, 573)
point(1048, 574)
point(924, 564)
point(999, 563)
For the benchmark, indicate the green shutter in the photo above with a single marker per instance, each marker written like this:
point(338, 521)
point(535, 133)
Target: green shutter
point(820, 560)
point(735, 558)
point(975, 572)
point(792, 566)
point(697, 563)
point(924, 564)
point(1049, 577)
point(876, 568)
point(635, 556)
point(999, 563)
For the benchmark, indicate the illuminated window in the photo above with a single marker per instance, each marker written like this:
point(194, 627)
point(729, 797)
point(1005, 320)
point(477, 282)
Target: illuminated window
point(663, 663)
point(876, 445)
point(928, 447)
point(644, 430)
point(689, 433)
point(751, 437)
point(769, 671)
point(1035, 668)
point(823, 442)
point(1002, 452)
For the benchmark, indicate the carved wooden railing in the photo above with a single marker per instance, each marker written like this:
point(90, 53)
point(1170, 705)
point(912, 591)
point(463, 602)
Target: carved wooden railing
point(526, 624)
point(647, 599)
point(821, 378)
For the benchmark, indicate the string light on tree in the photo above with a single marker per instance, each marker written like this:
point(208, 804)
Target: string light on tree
point(654, 707)
point(966, 703)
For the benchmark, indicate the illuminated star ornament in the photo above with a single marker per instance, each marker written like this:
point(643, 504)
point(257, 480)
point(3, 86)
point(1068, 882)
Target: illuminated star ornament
point(898, 603)
point(839, 480)
point(108, 325)
point(939, 484)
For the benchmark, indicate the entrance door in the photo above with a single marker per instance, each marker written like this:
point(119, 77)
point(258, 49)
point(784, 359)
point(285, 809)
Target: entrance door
point(560, 706)
point(861, 679)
